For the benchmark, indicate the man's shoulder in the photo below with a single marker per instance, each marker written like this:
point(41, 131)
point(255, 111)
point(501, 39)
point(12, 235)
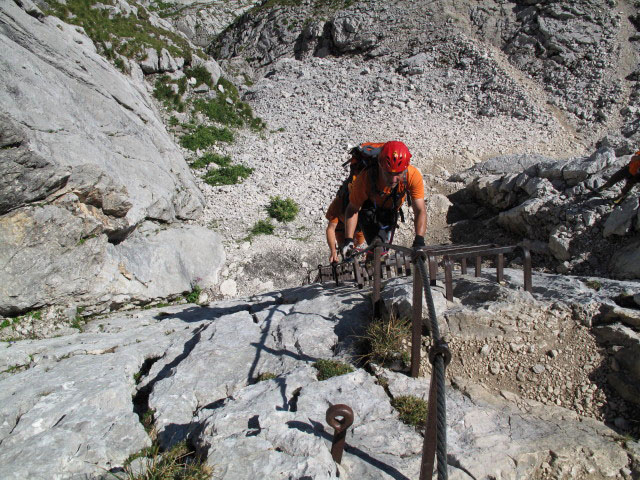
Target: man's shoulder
point(413, 175)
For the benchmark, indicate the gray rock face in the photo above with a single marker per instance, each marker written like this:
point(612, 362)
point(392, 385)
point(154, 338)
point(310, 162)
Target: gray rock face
point(197, 367)
point(555, 203)
point(81, 138)
point(25, 176)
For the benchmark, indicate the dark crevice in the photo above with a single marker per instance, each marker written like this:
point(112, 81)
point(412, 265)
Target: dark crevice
point(214, 405)
point(117, 237)
point(626, 301)
point(141, 398)
point(11, 145)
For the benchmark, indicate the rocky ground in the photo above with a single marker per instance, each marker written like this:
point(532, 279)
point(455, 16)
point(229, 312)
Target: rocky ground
point(546, 353)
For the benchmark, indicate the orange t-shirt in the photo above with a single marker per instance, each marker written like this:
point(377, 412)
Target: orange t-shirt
point(361, 189)
point(335, 212)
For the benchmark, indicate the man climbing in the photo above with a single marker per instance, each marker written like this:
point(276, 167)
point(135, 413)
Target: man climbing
point(630, 173)
point(377, 195)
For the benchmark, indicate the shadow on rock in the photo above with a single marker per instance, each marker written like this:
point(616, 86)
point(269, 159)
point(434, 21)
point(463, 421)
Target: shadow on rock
point(318, 430)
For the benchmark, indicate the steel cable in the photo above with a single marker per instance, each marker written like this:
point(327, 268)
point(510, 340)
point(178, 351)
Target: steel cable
point(438, 371)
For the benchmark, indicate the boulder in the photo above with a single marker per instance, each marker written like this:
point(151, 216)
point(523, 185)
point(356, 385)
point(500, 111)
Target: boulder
point(151, 62)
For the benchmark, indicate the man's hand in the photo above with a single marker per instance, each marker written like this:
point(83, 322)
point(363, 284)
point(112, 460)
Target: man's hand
point(347, 247)
point(333, 257)
point(418, 241)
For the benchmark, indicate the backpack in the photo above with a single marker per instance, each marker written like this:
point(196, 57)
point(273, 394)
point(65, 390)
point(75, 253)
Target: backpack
point(365, 157)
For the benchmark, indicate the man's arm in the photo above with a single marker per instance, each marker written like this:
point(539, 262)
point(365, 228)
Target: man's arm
point(350, 220)
point(419, 216)
point(331, 241)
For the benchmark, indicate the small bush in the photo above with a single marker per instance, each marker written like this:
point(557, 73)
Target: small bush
point(331, 368)
point(201, 74)
point(203, 137)
point(173, 121)
point(193, 296)
point(219, 111)
point(227, 175)
point(283, 210)
point(412, 410)
point(209, 158)
point(262, 227)
point(78, 322)
point(164, 92)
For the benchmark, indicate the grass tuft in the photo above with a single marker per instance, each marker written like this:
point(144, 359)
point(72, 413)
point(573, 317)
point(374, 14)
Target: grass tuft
point(208, 158)
point(128, 36)
point(593, 284)
point(177, 463)
point(201, 74)
point(331, 368)
point(229, 175)
point(265, 376)
point(412, 410)
point(384, 340)
point(204, 136)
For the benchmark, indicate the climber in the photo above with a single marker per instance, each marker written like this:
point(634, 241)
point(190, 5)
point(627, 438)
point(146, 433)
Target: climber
point(377, 195)
point(630, 173)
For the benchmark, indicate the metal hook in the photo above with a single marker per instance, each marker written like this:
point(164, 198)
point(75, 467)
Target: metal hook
point(340, 418)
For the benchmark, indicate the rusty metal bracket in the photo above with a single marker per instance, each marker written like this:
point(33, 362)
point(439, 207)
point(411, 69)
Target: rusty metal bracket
point(440, 348)
point(340, 417)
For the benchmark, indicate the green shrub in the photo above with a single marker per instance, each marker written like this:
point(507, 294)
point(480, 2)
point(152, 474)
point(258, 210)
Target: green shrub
point(203, 137)
point(412, 410)
point(193, 296)
point(164, 92)
point(119, 63)
point(228, 109)
point(78, 322)
point(229, 175)
point(209, 158)
point(218, 110)
point(201, 74)
point(173, 121)
point(283, 210)
point(261, 227)
point(331, 368)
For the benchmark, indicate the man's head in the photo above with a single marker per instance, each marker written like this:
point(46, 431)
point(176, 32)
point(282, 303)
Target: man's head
point(393, 160)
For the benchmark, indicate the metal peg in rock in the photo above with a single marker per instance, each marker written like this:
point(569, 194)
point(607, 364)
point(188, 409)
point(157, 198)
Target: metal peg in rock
point(340, 417)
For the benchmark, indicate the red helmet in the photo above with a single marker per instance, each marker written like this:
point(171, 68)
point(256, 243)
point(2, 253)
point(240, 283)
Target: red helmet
point(394, 157)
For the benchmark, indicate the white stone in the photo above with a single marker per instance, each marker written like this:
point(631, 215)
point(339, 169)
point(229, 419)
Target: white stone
point(228, 288)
